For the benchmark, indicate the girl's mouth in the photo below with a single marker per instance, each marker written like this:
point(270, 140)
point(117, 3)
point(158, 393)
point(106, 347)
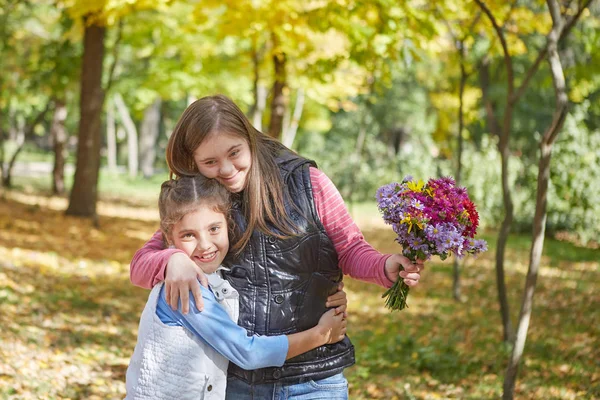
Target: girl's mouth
point(208, 257)
point(231, 179)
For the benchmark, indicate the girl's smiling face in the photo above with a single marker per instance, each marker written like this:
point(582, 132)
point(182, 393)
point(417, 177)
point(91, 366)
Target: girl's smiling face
point(202, 235)
point(226, 158)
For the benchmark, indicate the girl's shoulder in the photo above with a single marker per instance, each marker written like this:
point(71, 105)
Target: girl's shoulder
point(220, 287)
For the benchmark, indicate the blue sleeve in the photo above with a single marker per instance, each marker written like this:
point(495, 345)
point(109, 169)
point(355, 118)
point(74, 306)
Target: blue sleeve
point(215, 327)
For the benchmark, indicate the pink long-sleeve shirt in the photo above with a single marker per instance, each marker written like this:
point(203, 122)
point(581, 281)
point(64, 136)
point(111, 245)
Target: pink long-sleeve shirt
point(356, 257)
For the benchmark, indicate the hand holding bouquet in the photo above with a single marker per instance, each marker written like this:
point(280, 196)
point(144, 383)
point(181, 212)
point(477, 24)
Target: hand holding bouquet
point(433, 219)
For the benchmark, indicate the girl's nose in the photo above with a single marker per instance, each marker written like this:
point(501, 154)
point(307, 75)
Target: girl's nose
point(203, 244)
point(226, 169)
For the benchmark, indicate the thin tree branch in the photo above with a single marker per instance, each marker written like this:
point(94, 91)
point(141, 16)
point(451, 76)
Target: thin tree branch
point(459, 43)
point(554, 8)
point(568, 5)
point(473, 23)
point(565, 29)
point(115, 54)
point(509, 13)
point(500, 34)
point(558, 77)
point(570, 22)
point(530, 72)
point(557, 123)
point(38, 119)
point(445, 21)
point(493, 123)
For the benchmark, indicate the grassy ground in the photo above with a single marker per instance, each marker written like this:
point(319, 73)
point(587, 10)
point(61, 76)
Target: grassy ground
point(69, 314)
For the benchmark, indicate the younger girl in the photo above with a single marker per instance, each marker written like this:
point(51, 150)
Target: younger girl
point(181, 356)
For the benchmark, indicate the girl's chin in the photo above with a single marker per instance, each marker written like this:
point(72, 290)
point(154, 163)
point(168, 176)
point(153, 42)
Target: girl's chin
point(207, 269)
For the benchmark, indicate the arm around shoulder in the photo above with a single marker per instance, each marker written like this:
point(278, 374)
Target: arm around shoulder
point(148, 265)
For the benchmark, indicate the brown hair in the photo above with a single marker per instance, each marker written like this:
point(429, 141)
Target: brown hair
point(181, 196)
point(263, 196)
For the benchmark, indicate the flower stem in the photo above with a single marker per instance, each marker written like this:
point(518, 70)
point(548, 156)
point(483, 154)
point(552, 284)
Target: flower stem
point(396, 295)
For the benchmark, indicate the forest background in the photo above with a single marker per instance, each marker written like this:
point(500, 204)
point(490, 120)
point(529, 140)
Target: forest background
point(502, 95)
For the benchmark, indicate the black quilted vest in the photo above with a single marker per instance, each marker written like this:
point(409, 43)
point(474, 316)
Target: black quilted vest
point(283, 284)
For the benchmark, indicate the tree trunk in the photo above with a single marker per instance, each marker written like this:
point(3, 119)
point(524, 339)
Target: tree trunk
point(508, 331)
point(560, 27)
point(461, 91)
point(21, 133)
point(111, 138)
point(132, 141)
point(13, 124)
point(13, 127)
point(4, 114)
point(1, 151)
point(539, 222)
point(259, 110)
point(148, 137)
point(290, 132)
point(84, 193)
point(356, 157)
point(287, 118)
point(58, 133)
point(260, 92)
point(278, 103)
point(18, 137)
point(496, 130)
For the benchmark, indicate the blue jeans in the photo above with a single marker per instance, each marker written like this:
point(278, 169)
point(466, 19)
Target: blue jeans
point(333, 388)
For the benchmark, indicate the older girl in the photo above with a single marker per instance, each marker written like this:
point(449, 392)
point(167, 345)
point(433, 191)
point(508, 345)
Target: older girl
point(296, 240)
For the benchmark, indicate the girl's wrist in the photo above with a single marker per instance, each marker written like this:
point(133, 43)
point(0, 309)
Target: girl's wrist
point(320, 335)
point(386, 273)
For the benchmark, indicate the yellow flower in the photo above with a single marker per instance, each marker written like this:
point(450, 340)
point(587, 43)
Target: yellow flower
point(415, 186)
point(411, 222)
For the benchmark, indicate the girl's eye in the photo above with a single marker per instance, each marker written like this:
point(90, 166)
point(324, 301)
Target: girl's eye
point(188, 236)
point(235, 153)
point(212, 162)
point(215, 229)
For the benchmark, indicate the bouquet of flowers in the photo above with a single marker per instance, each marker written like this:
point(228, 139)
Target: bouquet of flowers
point(433, 219)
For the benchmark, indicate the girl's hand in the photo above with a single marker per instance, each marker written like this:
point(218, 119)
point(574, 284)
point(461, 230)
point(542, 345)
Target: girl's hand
point(338, 300)
point(411, 273)
point(182, 277)
point(332, 327)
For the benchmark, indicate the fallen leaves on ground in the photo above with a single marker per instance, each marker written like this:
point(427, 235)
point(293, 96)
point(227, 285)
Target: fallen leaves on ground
point(69, 316)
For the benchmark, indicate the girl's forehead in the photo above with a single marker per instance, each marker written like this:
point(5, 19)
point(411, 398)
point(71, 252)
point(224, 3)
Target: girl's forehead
point(200, 217)
point(220, 141)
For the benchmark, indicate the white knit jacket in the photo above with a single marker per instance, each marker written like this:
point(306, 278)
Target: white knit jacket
point(169, 362)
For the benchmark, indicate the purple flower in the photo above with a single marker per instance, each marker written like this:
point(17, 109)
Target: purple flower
point(432, 221)
point(386, 195)
point(416, 204)
point(477, 246)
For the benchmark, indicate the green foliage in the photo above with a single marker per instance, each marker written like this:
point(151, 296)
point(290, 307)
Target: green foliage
point(575, 190)
point(382, 68)
point(401, 108)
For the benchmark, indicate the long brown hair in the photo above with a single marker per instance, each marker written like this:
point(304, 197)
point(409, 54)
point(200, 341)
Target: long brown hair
point(263, 196)
point(181, 196)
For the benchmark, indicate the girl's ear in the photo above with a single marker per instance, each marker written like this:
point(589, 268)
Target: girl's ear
point(167, 239)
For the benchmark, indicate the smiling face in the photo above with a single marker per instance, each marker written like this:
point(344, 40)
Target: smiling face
point(202, 235)
point(226, 158)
